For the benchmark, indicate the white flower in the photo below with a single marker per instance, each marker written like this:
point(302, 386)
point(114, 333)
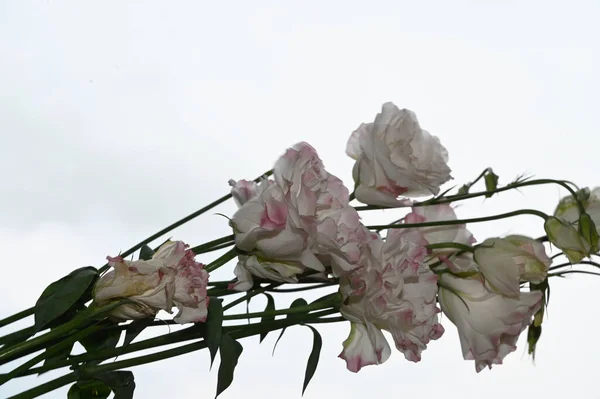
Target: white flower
point(394, 157)
point(489, 324)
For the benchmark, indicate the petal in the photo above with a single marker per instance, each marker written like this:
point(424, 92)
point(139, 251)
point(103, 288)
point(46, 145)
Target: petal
point(365, 346)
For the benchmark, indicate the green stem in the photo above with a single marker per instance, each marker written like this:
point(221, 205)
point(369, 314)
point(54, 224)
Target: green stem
point(461, 221)
point(328, 303)
point(444, 245)
point(222, 246)
point(560, 274)
point(56, 333)
point(236, 332)
point(247, 296)
point(17, 316)
point(229, 255)
point(179, 223)
point(316, 286)
point(207, 246)
point(17, 336)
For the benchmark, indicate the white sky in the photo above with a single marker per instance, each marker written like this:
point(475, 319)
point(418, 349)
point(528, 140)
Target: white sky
point(117, 119)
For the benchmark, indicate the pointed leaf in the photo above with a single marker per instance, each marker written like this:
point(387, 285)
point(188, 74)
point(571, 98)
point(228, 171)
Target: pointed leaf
point(121, 383)
point(214, 327)
point(135, 328)
point(62, 295)
point(146, 253)
point(313, 358)
point(230, 351)
point(265, 319)
point(297, 302)
point(89, 389)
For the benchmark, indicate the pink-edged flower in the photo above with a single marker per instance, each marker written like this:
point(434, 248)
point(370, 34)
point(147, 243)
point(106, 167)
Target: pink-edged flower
point(244, 190)
point(171, 277)
point(394, 291)
point(505, 262)
point(489, 324)
point(395, 157)
point(440, 234)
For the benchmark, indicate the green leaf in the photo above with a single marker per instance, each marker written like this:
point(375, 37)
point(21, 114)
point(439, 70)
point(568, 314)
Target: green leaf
point(214, 327)
point(464, 189)
point(491, 182)
point(146, 253)
point(107, 338)
point(265, 319)
point(135, 328)
point(89, 389)
point(313, 358)
point(297, 302)
point(533, 336)
point(62, 295)
point(120, 382)
point(230, 351)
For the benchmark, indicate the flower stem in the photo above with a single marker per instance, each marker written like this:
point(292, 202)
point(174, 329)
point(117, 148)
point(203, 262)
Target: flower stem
point(328, 303)
point(229, 255)
point(179, 223)
point(17, 316)
point(461, 221)
point(248, 296)
point(444, 245)
point(206, 247)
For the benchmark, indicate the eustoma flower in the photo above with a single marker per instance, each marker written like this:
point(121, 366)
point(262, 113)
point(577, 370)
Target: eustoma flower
point(394, 157)
point(299, 223)
point(394, 291)
point(171, 278)
point(489, 324)
point(505, 262)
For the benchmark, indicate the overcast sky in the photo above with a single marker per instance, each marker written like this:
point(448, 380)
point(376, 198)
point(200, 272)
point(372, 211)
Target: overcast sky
point(117, 118)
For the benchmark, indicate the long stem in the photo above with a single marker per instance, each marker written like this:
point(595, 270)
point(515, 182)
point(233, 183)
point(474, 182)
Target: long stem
point(179, 223)
point(248, 296)
point(202, 248)
point(296, 310)
point(461, 221)
point(17, 316)
point(229, 255)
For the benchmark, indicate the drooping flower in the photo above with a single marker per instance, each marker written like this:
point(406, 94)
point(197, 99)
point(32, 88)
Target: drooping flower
point(505, 262)
point(566, 237)
point(171, 278)
point(394, 157)
point(489, 324)
point(568, 210)
point(394, 291)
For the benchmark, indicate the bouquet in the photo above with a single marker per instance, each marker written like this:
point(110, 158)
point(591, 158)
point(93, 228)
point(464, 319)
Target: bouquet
point(299, 228)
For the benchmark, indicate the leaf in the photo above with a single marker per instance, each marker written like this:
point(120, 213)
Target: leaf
point(120, 382)
point(62, 295)
point(313, 358)
point(491, 182)
point(135, 328)
point(89, 389)
point(297, 302)
point(464, 189)
point(533, 336)
point(230, 351)
point(107, 338)
point(214, 327)
point(265, 319)
point(146, 253)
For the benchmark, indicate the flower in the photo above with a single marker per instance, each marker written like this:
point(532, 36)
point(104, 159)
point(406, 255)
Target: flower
point(568, 210)
point(171, 277)
point(505, 262)
point(299, 224)
point(394, 291)
point(394, 157)
point(565, 237)
point(489, 324)
point(244, 190)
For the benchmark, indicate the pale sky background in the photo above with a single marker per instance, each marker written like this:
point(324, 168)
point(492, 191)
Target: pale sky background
point(117, 118)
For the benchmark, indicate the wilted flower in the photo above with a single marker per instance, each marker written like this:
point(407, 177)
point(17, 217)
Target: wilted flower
point(170, 278)
point(394, 157)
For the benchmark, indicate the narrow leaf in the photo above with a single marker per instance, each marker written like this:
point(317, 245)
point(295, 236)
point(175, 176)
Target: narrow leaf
point(214, 327)
point(120, 382)
point(135, 328)
point(230, 351)
point(265, 319)
point(313, 358)
point(62, 295)
point(146, 253)
point(62, 354)
point(297, 302)
point(89, 389)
